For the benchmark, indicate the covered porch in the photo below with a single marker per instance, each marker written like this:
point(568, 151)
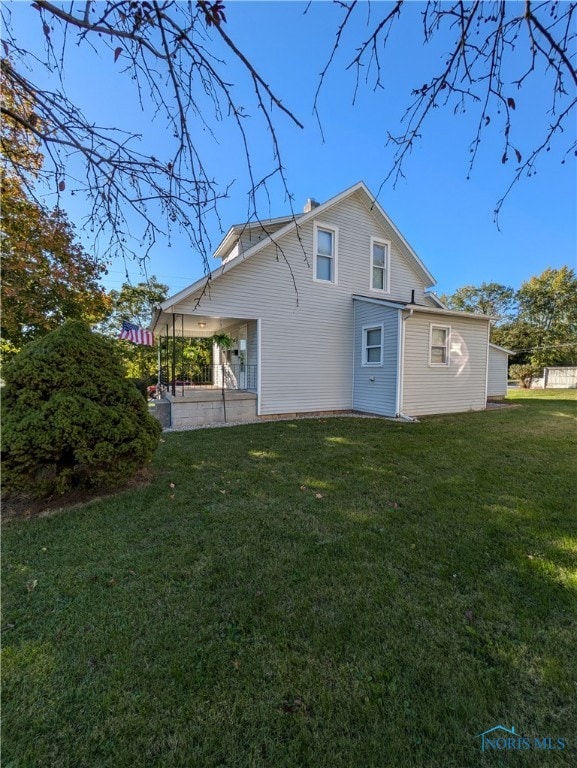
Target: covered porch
point(208, 367)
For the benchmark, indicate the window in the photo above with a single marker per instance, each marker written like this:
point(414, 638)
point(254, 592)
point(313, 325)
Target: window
point(325, 268)
point(439, 345)
point(380, 265)
point(373, 345)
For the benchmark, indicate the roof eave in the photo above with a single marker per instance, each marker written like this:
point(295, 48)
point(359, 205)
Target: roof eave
point(502, 349)
point(295, 221)
point(451, 312)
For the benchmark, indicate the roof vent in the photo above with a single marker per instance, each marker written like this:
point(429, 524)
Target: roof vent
point(310, 204)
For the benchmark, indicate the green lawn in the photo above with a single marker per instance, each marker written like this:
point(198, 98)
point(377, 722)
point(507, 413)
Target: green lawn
point(333, 593)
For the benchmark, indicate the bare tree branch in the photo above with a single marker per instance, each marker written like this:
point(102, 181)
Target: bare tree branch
point(167, 47)
point(489, 38)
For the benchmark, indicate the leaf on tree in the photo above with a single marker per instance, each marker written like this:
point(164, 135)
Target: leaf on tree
point(511, 102)
point(117, 52)
point(6, 49)
point(46, 30)
point(213, 14)
point(504, 158)
point(487, 120)
point(62, 186)
point(518, 154)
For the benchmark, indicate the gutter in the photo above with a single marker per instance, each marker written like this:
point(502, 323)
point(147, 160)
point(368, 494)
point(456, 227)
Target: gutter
point(401, 365)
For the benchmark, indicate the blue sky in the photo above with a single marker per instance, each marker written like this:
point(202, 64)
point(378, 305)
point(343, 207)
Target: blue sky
point(445, 217)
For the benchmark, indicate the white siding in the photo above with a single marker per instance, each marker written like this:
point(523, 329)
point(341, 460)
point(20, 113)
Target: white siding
point(460, 386)
point(498, 372)
point(252, 342)
point(250, 236)
point(254, 235)
point(307, 334)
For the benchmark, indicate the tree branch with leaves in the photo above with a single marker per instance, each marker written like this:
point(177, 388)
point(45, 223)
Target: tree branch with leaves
point(495, 50)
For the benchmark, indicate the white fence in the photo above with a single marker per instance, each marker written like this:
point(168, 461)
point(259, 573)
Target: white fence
point(560, 378)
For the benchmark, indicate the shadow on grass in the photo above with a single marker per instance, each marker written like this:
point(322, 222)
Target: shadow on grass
point(328, 593)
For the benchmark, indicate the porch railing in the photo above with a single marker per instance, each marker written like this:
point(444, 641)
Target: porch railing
point(240, 376)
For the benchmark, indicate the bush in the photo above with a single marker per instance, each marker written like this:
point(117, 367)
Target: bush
point(143, 384)
point(525, 374)
point(70, 418)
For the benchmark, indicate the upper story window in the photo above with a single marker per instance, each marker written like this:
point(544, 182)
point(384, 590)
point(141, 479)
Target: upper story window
point(373, 345)
point(380, 250)
point(439, 345)
point(326, 244)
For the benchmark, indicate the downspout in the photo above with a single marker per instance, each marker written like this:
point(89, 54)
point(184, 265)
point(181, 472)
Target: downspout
point(400, 414)
point(400, 326)
point(259, 366)
point(354, 351)
point(487, 362)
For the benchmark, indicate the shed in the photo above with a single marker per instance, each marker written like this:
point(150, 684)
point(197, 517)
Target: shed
point(498, 371)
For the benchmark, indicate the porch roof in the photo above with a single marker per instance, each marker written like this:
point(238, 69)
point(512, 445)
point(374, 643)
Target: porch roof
point(192, 326)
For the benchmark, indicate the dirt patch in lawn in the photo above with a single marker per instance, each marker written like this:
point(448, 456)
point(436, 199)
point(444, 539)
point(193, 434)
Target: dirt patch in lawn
point(25, 508)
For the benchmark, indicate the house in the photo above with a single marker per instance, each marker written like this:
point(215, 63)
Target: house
point(330, 310)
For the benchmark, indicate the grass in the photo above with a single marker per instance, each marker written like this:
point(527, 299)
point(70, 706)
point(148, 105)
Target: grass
point(339, 593)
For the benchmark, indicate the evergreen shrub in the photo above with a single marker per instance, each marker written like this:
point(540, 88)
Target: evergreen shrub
point(70, 419)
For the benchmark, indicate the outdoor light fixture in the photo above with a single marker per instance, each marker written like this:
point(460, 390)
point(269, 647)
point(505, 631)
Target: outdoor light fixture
point(202, 325)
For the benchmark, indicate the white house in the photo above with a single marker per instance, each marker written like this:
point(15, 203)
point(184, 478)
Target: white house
point(331, 310)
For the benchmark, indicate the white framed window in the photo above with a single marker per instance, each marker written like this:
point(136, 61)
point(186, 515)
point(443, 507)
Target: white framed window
point(373, 345)
point(439, 340)
point(380, 250)
point(326, 241)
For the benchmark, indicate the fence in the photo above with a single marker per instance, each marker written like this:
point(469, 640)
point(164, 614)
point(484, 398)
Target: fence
point(238, 376)
point(560, 377)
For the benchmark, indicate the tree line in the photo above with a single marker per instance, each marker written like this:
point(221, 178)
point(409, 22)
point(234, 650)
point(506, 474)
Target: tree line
point(537, 322)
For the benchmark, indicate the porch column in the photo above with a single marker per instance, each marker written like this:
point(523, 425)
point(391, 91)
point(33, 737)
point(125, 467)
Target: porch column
point(173, 355)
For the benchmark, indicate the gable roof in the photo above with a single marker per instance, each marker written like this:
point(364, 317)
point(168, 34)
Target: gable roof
point(293, 223)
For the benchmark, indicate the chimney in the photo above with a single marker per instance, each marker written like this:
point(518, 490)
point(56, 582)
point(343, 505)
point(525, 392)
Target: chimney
point(310, 204)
